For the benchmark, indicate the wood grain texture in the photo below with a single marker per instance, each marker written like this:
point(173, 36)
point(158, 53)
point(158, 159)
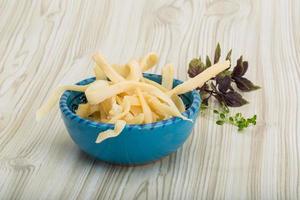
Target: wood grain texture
point(46, 43)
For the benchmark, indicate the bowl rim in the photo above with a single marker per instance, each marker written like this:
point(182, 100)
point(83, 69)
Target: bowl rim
point(189, 113)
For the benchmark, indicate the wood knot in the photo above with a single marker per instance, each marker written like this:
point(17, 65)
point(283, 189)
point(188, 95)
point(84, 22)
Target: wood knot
point(18, 164)
point(168, 14)
point(222, 8)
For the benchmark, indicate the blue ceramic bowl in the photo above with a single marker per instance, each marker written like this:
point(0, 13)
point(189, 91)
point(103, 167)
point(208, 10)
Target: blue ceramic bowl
point(137, 144)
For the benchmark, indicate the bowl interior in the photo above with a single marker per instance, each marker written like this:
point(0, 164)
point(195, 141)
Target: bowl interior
point(78, 97)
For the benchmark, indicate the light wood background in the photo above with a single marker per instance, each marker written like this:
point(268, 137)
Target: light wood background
point(47, 43)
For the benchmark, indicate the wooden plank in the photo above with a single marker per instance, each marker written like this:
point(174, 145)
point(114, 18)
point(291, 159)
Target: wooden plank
point(47, 43)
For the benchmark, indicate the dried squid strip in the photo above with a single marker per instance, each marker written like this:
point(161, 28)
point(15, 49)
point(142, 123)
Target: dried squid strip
point(50, 103)
point(108, 70)
point(119, 126)
point(167, 76)
point(200, 79)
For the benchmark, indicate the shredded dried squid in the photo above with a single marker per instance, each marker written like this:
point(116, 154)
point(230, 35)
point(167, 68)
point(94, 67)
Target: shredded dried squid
point(121, 95)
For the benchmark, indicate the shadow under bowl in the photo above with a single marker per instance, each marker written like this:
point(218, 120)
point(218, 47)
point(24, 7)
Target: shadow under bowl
point(137, 143)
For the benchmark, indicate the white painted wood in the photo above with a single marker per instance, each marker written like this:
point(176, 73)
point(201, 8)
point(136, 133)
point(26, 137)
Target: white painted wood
point(47, 43)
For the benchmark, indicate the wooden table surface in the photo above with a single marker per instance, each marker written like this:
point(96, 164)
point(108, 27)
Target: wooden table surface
point(46, 43)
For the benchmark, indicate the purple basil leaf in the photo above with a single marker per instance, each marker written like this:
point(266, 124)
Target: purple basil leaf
point(238, 70)
point(208, 62)
point(217, 54)
point(195, 67)
point(244, 84)
point(245, 68)
point(231, 98)
point(223, 83)
point(219, 97)
point(228, 56)
point(193, 71)
point(234, 99)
